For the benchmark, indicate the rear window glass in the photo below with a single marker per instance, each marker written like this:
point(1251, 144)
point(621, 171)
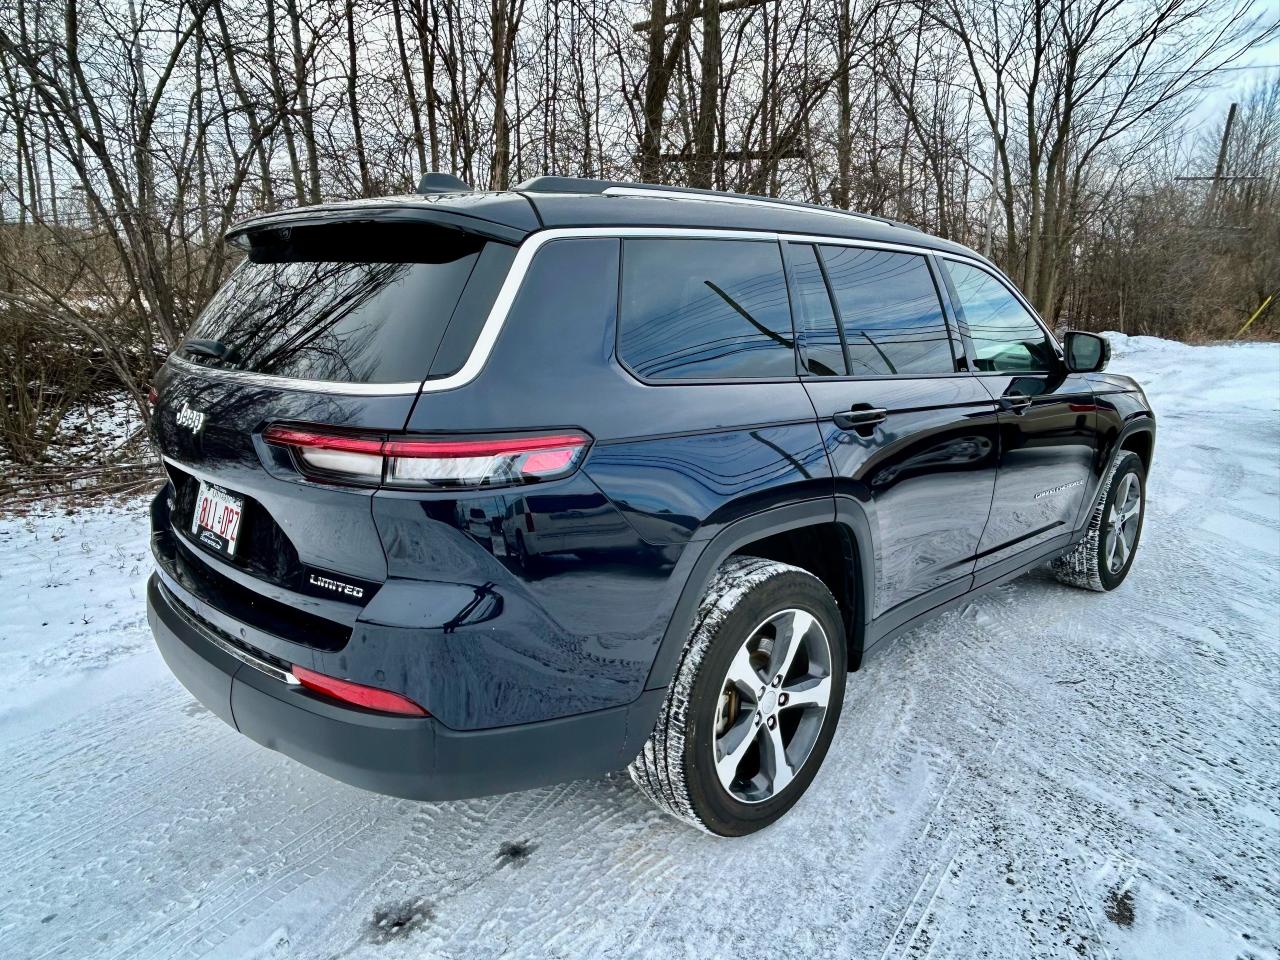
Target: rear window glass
point(705, 310)
point(366, 303)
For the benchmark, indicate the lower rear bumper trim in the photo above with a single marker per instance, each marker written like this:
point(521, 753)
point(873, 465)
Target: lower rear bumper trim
point(229, 648)
point(414, 757)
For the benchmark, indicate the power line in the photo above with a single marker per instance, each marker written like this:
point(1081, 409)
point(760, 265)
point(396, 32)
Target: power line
point(1246, 66)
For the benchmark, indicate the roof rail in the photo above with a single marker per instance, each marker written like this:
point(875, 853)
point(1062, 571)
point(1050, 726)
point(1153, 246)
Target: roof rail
point(621, 188)
point(442, 183)
point(550, 184)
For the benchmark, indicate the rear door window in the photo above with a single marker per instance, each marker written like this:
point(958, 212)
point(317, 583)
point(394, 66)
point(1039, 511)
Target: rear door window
point(889, 311)
point(705, 310)
point(352, 303)
point(1006, 338)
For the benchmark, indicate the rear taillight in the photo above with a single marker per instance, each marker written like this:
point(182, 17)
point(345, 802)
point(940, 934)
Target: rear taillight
point(423, 463)
point(371, 698)
point(478, 463)
point(325, 455)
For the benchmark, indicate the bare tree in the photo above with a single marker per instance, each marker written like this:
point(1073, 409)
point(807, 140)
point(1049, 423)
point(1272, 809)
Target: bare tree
point(133, 133)
point(1069, 85)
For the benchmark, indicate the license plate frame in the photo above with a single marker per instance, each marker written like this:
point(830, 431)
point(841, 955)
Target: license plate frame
point(216, 518)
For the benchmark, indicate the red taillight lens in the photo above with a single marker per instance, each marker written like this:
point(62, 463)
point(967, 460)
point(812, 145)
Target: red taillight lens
point(334, 456)
point(477, 463)
point(435, 463)
point(371, 698)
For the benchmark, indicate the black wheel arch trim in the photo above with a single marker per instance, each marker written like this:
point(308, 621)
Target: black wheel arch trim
point(780, 519)
point(1141, 422)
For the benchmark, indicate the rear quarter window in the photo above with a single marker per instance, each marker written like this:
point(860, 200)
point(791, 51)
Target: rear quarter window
point(352, 303)
point(705, 310)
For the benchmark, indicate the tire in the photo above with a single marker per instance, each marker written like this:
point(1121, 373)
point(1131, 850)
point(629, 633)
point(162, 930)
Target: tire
point(750, 606)
point(1103, 559)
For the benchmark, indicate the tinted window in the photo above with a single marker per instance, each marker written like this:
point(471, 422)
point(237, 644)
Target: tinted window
point(1005, 336)
point(889, 309)
point(824, 353)
point(337, 304)
point(705, 309)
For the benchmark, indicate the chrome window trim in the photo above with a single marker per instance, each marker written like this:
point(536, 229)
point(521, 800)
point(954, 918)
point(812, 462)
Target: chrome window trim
point(954, 338)
point(514, 280)
point(292, 383)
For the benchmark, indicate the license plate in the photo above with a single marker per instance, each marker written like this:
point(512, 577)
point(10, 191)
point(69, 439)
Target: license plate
point(216, 521)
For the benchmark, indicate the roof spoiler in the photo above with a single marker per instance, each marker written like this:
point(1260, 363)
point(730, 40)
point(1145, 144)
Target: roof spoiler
point(241, 234)
point(442, 183)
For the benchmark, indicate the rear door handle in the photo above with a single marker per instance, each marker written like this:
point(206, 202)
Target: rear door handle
point(1015, 402)
point(860, 418)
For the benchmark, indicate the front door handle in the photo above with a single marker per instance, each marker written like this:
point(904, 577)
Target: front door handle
point(1015, 402)
point(860, 417)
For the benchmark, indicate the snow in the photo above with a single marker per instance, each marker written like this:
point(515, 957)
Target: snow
point(1044, 773)
point(96, 430)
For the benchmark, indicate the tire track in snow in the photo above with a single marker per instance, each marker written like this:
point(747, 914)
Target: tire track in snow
point(996, 775)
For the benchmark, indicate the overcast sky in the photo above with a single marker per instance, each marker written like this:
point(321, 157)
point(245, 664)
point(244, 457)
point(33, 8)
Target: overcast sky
point(1262, 63)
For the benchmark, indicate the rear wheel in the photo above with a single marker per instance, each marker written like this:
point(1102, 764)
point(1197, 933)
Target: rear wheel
point(1103, 559)
point(754, 702)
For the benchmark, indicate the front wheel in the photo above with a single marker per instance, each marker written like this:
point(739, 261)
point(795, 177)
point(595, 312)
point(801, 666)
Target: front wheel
point(1104, 557)
point(754, 703)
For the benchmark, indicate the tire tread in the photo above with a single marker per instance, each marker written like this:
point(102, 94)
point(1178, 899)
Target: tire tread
point(658, 771)
point(1081, 565)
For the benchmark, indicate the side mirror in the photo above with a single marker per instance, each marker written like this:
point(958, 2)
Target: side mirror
point(1086, 352)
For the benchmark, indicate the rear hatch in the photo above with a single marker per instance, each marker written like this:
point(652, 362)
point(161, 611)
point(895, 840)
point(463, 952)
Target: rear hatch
point(332, 325)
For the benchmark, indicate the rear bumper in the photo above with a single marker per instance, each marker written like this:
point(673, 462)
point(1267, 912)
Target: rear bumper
point(412, 757)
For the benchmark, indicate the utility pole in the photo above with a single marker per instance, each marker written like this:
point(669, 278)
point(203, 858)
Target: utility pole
point(1221, 167)
point(708, 99)
point(701, 159)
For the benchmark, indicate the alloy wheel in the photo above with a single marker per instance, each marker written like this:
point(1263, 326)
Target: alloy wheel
point(772, 702)
point(1122, 523)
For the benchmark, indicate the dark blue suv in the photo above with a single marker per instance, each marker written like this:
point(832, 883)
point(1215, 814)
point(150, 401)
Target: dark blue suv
point(476, 492)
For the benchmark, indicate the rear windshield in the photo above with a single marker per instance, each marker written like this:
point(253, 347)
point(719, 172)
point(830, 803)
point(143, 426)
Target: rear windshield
point(355, 303)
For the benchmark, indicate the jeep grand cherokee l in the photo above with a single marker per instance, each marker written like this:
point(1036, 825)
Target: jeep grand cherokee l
point(476, 492)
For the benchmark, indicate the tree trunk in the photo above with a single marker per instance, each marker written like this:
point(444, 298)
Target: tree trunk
point(301, 83)
point(425, 22)
point(701, 173)
point(410, 90)
point(283, 109)
point(362, 161)
point(844, 108)
point(500, 25)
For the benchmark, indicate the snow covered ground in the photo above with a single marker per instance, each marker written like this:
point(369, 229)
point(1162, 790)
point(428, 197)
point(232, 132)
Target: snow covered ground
point(1045, 773)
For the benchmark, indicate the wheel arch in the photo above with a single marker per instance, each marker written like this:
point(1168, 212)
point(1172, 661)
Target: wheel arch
point(1138, 436)
point(832, 544)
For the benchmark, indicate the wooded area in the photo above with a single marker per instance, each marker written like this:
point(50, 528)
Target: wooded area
point(1050, 134)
